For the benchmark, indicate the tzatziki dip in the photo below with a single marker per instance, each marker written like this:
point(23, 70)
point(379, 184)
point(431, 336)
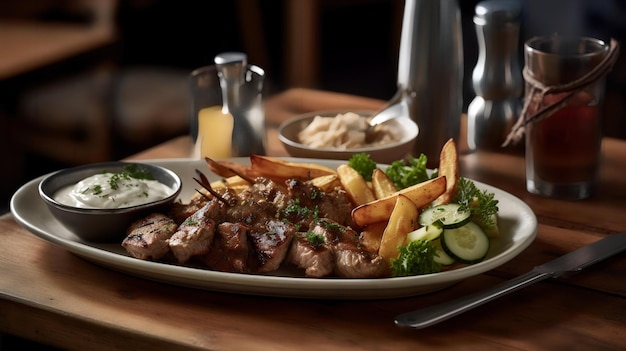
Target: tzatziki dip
point(112, 190)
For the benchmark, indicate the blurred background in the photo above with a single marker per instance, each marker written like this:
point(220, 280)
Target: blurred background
point(92, 80)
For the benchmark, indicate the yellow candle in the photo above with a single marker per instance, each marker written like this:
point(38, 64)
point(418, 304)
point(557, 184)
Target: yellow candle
point(215, 132)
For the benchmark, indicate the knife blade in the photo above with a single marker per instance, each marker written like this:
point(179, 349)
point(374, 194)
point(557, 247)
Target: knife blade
point(570, 263)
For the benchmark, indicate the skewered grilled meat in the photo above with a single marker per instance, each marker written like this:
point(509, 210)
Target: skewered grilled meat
point(265, 225)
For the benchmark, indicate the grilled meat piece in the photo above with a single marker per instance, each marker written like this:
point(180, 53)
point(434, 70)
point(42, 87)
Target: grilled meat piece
point(251, 212)
point(257, 203)
point(317, 260)
point(229, 252)
point(146, 238)
point(270, 242)
point(266, 190)
point(195, 235)
point(335, 205)
point(179, 211)
point(339, 253)
point(351, 262)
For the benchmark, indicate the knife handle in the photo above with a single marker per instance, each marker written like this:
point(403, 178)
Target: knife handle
point(428, 316)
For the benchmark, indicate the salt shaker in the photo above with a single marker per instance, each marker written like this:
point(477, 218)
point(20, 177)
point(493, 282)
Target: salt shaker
point(496, 78)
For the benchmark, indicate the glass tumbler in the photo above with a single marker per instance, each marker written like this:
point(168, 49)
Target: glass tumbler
point(563, 149)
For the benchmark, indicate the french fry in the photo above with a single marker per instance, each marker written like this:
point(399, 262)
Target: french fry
point(371, 236)
point(382, 185)
point(228, 169)
point(235, 183)
point(380, 210)
point(279, 169)
point(402, 221)
point(326, 183)
point(354, 184)
point(449, 167)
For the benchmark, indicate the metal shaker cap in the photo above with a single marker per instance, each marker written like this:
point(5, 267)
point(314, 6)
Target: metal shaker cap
point(497, 12)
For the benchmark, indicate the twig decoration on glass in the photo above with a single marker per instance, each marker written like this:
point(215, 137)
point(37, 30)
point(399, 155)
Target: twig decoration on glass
point(538, 90)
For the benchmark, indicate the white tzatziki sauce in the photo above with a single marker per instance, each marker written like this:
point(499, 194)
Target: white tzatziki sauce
point(112, 190)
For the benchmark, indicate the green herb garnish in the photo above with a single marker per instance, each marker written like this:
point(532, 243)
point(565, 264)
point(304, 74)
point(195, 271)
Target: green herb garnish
point(363, 164)
point(332, 226)
point(190, 221)
point(130, 171)
point(96, 190)
point(405, 174)
point(300, 211)
point(316, 240)
point(418, 257)
point(482, 204)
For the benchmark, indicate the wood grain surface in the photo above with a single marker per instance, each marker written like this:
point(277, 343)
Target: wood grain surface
point(55, 297)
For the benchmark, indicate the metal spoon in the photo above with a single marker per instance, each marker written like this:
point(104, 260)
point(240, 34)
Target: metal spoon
point(396, 107)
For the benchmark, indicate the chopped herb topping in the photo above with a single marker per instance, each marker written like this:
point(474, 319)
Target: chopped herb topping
point(190, 221)
point(316, 240)
point(97, 190)
point(300, 211)
point(316, 193)
point(332, 226)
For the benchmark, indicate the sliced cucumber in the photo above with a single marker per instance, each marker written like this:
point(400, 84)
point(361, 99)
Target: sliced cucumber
point(467, 244)
point(450, 215)
point(441, 256)
point(428, 232)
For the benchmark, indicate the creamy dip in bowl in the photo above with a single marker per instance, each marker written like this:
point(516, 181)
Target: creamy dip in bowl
point(97, 202)
point(113, 190)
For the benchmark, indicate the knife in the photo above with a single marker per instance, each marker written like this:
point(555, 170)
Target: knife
point(570, 263)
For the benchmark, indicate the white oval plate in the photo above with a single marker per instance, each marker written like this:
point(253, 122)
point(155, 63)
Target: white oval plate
point(518, 226)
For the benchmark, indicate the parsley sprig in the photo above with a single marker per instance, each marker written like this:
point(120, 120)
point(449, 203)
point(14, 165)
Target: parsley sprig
point(481, 203)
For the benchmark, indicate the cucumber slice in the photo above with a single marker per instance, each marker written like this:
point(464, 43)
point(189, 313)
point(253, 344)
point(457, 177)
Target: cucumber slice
point(441, 256)
point(467, 244)
point(428, 232)
point(450, 215)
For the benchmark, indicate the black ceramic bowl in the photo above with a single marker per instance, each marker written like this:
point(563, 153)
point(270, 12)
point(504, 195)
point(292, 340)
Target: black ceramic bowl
point(103, 225)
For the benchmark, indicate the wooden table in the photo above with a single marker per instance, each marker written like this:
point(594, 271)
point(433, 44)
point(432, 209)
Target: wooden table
point(54, 297)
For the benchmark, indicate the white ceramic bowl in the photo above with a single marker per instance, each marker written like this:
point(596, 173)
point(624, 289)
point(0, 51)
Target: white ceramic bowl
point(288, 135)
point(103, 225)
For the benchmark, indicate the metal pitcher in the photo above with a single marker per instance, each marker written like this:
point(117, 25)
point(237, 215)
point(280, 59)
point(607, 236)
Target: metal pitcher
point(430, 72)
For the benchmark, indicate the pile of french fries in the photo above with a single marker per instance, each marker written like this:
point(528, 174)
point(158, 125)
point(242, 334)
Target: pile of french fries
point(384, 214)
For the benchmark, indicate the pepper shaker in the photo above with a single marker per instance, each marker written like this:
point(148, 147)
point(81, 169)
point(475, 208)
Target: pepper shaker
point(496, 79)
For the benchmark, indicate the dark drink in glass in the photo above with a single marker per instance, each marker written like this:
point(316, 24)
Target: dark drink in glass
point(563, 149)
point(566, 146)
